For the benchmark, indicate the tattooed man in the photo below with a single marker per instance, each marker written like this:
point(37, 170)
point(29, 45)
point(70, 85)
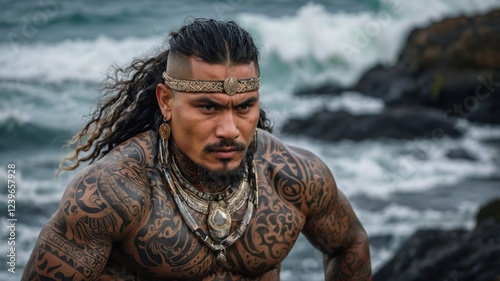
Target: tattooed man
point(186, 181)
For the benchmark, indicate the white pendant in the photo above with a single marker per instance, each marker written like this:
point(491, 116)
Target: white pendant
point(219, 222)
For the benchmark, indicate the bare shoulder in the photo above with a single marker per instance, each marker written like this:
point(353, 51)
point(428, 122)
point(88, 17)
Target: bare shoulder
point(115, 187)
point(139, 149)
point(102, 205)
point(297, 173)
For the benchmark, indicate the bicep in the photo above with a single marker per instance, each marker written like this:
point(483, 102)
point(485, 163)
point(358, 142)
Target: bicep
point(332, 225)
point(337, 232)
point(77, 240)
point(62, 256)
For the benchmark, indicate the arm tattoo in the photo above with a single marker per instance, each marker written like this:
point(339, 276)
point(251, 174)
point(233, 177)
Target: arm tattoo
point(302, 179)
point(87, 261)
point(97, 209)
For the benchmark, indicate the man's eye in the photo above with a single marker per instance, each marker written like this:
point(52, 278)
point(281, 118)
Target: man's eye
point(208, 107)
point(244, 108)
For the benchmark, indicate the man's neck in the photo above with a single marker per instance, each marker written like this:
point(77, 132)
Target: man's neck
point(201, 178)
point(187, 168)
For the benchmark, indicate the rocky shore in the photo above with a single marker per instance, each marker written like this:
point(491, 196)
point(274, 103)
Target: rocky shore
point(447, 71)
point(455, 255)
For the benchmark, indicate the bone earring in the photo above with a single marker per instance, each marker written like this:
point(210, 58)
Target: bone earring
point(164, 132)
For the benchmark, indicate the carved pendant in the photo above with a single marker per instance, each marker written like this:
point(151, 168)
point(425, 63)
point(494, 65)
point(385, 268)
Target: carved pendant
point(221, 258)
point(231, 86)
point(219, 222)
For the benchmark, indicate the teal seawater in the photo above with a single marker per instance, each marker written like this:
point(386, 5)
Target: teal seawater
point(54, 55)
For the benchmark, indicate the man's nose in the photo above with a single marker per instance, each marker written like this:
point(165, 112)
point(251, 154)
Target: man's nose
point(227, 128)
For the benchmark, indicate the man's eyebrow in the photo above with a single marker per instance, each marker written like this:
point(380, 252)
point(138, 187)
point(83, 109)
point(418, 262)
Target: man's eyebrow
point(248, 101)
point(208, 100)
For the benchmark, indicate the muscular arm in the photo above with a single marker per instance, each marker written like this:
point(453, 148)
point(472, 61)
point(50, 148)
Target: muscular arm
point(97, 209)
point(332, 226)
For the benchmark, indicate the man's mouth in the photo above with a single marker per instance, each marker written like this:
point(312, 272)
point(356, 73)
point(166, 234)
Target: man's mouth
point(225, 149)
point(226, 152)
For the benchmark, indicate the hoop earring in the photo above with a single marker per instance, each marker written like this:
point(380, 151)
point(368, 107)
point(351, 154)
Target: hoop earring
point(164, 131)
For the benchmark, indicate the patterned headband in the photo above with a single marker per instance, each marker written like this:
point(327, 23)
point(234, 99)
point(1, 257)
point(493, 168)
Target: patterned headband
point(230, 86)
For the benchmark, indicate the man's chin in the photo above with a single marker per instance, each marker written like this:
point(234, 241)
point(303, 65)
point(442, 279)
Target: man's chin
point(223, 174)
point(227, 166)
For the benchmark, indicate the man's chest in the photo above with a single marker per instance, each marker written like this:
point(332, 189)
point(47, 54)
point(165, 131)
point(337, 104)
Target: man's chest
point(164, 246)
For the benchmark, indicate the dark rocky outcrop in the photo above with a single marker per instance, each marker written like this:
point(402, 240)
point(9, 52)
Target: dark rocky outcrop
point(452, 66)
point(462, 42)
point(395, 123)
point(460, 153)
point(457, 255)
point(489, 211)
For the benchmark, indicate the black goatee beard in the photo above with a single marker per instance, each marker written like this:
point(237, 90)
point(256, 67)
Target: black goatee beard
point(212, 181)
point(216, 181)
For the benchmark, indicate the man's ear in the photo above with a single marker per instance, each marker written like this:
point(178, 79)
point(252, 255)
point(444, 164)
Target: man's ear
point(165, 99)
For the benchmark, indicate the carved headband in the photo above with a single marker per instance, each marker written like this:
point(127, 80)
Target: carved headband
point(230, 86)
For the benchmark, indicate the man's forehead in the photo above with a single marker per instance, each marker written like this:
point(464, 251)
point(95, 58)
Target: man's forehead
point(179, 66)
point(194, 75)
point(207, 71)
point(193, 67)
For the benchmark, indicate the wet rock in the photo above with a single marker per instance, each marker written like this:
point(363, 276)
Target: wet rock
point(460, 153)
point(489, 211)
point(459, 255)
point(457, 43)
point(452, 65)
point(393, 123)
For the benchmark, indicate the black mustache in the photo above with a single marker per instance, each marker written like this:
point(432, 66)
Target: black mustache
point(238, 146)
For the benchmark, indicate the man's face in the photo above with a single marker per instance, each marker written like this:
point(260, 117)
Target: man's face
point(214, 129)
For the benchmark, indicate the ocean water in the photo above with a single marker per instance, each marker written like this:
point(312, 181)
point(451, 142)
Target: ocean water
point(54, 54)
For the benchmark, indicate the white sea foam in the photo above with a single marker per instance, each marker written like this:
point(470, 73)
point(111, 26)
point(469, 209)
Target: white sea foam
point(316, 44)
point(380, 168)
point(26, 236)
point(400, 222)
point(86, 60)
point(321, 46)
point(356, 103)
point(308, 47)
point(43, 191)
point(17, 114)
point(484, 132)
